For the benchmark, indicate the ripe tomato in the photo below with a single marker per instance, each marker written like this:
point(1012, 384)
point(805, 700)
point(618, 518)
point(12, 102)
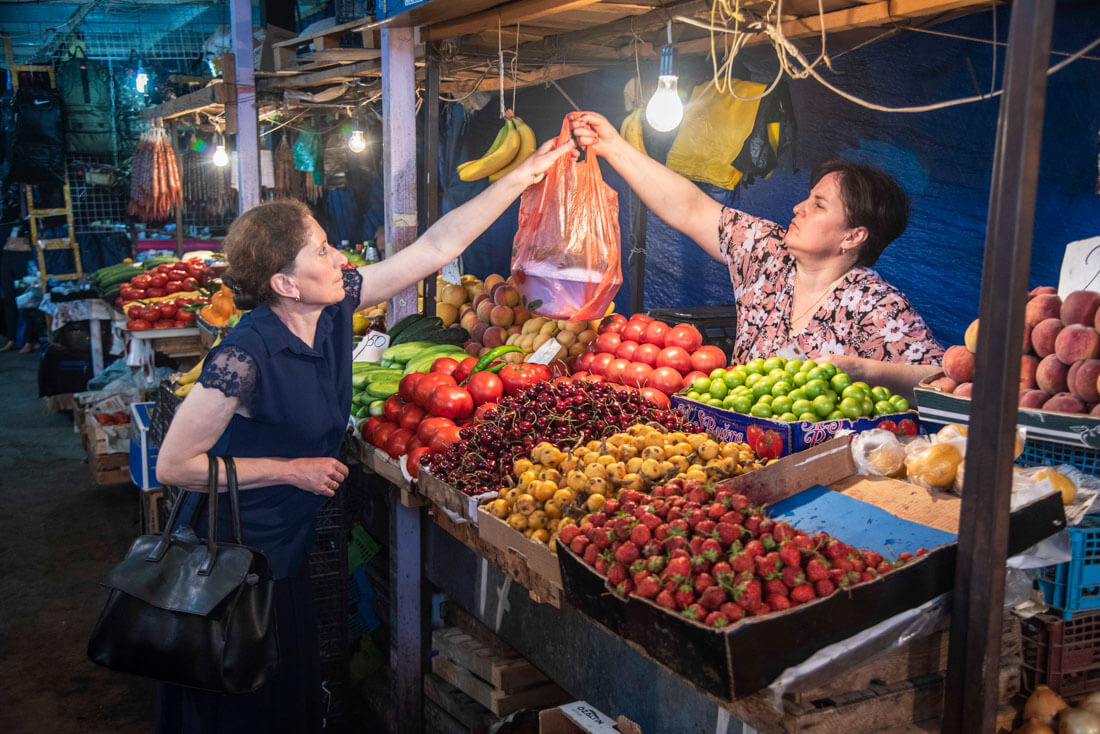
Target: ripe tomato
point(613, 323)
point(158, 280)
point(427, 384)
point(655, 332)
point(665, 379)
point(445, 365)
point(707, 358)
point(656, 397)
point(410, 416)
point(634, 330)
point(615, 369)
point(397, 443)
point(408, 382)
point(187, 317)
point(647, 353)
point(138, 325)
point(368, 427)
point(393, 404)
point(518, 376)
point(382, 433)
point(540, 371)
point(412, 463)
point(485, 387)
point(674, 357)
point(598, 365)
point(644, 318)
point(429, 426)
point(443, 438)
point(465, 367)
point(636, 374)
point(413, 444)
point(584, 362)
point(692, 376)
point(608, 342)
point(626, 350)
point(139, 281)
point(450, 401)
point(685, 336)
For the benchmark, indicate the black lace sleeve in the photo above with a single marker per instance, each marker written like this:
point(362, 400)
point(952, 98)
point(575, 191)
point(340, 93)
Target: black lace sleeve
point(231, 370)
point(353, 286)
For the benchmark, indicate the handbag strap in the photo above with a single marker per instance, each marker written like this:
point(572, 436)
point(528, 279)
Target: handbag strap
point(158, 551)
point(234, 498)
point(211, 517)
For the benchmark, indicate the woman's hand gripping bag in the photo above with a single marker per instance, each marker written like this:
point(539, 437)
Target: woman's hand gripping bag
point(565, 256)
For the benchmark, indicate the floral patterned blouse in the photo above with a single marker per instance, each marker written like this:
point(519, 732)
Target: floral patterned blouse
point(864, 316)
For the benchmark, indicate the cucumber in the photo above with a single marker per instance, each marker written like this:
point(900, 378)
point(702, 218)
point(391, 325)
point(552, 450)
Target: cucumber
point(454, 335)
point(396, 330)
point(423, 362)
point(382, 389)
point(377, 408)
point(404, 352)
point(417, 331)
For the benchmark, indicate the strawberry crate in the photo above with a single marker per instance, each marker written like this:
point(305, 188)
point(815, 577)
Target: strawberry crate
point(1062, 653)
point(1075, 585)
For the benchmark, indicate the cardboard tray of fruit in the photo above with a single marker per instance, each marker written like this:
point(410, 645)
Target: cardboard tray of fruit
point(938, 407)
point(818, 490)
point(450, 498)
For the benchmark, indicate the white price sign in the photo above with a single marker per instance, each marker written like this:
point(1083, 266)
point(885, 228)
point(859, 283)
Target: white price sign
point(547, 353)
point(370, 348)
point(1080, 267)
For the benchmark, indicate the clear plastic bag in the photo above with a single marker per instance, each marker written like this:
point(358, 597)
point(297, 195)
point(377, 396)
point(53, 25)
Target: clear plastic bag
point(878, 453)
point(565, 256)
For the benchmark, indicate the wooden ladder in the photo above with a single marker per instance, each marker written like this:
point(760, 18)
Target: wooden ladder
point(34, 214)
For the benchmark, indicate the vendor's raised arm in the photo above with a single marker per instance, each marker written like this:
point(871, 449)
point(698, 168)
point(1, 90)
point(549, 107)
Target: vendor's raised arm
point(670, 196)
point(446, 239)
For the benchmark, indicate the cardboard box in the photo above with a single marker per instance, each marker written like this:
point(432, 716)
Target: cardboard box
point(817, 490)
point(939, 408)
point(581, 717)
point(730, 426)
point(534, 555)
point(143, 453)
point(451, 498)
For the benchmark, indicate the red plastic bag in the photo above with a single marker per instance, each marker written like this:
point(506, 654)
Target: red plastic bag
point(565, 256)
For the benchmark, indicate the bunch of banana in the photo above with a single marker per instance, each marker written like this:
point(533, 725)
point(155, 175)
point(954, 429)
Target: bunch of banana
point(631, 130)
point(513, 144)
point(186, 381)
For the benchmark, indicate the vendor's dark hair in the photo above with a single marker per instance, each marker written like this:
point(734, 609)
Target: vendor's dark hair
point(872, 199)
point(261, 242)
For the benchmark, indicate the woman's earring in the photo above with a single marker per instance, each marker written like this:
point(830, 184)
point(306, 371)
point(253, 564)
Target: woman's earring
point(298, 298)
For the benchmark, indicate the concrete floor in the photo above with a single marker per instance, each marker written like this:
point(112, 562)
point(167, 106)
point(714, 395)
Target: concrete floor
point(59, 534)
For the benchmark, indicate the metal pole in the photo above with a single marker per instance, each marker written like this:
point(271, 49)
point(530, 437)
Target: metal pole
point(248, 154)
point(638, 214)
point(173, 138)
point(974, 656)
point(431, 160)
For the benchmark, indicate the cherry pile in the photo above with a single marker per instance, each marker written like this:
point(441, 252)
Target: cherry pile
point(562, 413)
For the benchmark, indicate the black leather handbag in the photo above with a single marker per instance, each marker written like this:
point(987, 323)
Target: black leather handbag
point(192, 612)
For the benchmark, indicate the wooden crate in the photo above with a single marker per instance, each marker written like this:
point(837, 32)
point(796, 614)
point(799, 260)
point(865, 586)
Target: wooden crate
point(501, 682)
point(110, 468)
point(450, 498)
point(155, 507)
point(448, 709)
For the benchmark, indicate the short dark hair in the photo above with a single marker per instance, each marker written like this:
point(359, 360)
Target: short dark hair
point(261, 242)
point(872, 199)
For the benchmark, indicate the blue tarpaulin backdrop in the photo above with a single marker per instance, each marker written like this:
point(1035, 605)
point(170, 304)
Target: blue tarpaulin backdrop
point(943, 159)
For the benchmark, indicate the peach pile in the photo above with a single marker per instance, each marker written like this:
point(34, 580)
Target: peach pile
point(1060, 368)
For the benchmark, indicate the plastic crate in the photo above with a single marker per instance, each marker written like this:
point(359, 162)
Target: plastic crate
point(361, 548)
point(717, 324)
point(1061, 653)
point(163, 411)
point(1049, 453)
point(1075, 586)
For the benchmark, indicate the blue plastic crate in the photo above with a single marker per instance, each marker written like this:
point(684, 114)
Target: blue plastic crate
point(1075, 586)
point(1050, 453)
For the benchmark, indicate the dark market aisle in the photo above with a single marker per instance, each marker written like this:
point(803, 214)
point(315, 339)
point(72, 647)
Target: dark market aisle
point(60, 533)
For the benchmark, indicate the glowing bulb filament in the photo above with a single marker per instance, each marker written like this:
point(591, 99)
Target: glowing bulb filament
point(221, 158)
point(357, 142)
point(665, 110)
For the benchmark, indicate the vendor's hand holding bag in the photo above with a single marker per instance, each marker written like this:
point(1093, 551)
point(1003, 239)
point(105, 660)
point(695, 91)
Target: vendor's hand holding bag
point(192, 612)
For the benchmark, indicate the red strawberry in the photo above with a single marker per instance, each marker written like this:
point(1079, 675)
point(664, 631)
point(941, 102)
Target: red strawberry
point(769, 542)
point(766, 525)
point(696, 545)
point(749, 594)
point(793, 576)
point(665, 599)
point(627, 508)
point(816, 570)
point(601, 565)
point(834, 550)
point(775, 586)
point(782, 531)
point(695, 612)
point(652, 548)
point(611, 506)
point(660, 507)
point(836, 574)
point(684, 596)
point(703, 582)
point(821, 539)
point(732, 611)
point(567, 533)
point(627, 553)
point(711, 548)
point(640, 535)
point(674, 513)
point(673, 543)
point(824, 587)
point(903, 557)
point(696, 493)
point(740, 562)
point(733, 517)
point(752, 524)
point(754, 549)
point(760, 610)
point(803, 541)
point(598, 519)
point(868, 575)
point(765, 569)
point(844, 565)
point(578, 544)
point(716, 510)
point(600, 538)
point(696, 517)
point(679, 566)
point(706, 527)
point(802, 594)
point(789, 554)
point(727, 534)
point(884, 567)
point(700, 564)
point(651, 521)
point(858, 565)
point(722, 567)
point(712, 598)
point(591, 553)
point(625, 588)
point(739, 501)
point(716, 620)
point(617, 574)
point(922, 551)
point(777, 602)
point(656, 564)
point(637, 567)
point(678, 526)
point(871, 558)
point(647, 586)
point(661, 531)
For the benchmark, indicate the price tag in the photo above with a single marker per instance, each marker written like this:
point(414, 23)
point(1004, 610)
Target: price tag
point(370, 348)
point(450, 272)
point(547, 353)
point(1080, 267)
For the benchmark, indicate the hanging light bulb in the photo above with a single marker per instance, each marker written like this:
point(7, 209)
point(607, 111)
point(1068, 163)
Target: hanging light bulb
point(357, 142)
point(221, 158)
point(665, 110)
point(141, 79)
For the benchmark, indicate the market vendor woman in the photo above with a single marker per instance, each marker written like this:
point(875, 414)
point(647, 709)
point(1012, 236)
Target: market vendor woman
point(808, 287)
point(275, 395)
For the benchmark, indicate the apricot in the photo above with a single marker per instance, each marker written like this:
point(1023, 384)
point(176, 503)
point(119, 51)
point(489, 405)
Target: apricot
point(1044, 334)
point(1051, 375)
point(1033, 399)
point(502, 316)
point(453, 294)
point(970, 338)
point(484, 311)
point(1075, 342)
point(1042, 306)
point(944, 384)
point(1082, 380)
point(491, 280)
point(494, 336)
point(1065, 402)
point(1079, 307)
point(964, 389)
point(958, 363)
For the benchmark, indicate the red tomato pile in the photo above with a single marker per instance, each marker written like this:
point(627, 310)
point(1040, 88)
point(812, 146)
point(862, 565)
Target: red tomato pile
point(164, 280)
point(162, 314)
point(649, 355)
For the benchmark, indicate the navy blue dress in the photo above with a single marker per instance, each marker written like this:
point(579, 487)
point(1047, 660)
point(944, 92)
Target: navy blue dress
point(298, 398)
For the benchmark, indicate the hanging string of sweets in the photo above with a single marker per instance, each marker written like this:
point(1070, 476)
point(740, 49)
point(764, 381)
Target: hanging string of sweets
point(155, 188)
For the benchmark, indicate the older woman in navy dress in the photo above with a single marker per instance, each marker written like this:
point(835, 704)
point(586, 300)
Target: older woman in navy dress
point(275, 395)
